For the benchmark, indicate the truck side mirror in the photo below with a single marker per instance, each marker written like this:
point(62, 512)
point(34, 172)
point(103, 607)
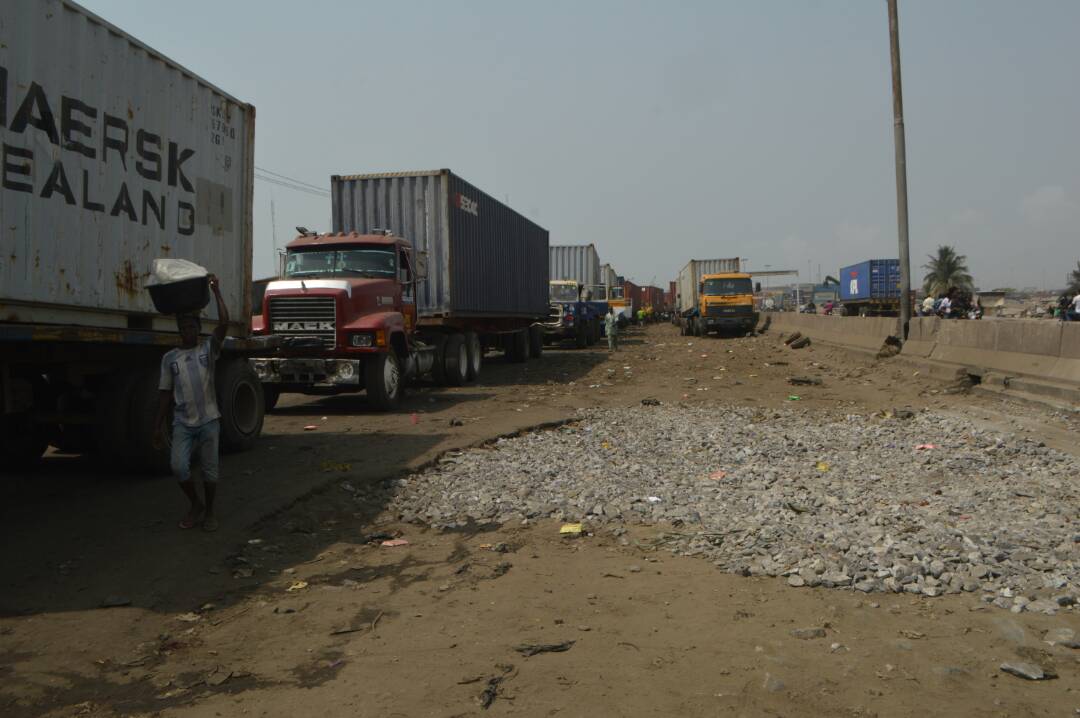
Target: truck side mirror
point(281, 254)
point(421, 265)
point(757, 287)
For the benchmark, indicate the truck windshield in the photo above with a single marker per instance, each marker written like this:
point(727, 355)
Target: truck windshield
point(563, 292)
point(374, 262)
point(727, 287)
point(616, 293)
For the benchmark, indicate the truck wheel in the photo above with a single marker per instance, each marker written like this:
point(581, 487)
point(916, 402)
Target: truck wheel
point(536, 342)
point(438, 364)
point(476, 354)
point(271, 394)
point(141, 410)
point(240, 400)
point(22, 443)
point(382, 379)
point(581, 336)
point(456, 362)
point(518, 352)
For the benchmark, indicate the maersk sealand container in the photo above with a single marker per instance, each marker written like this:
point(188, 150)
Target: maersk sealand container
point(113, 155)
point(484, 260)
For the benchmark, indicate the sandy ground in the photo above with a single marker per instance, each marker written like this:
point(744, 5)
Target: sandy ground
point(209, 626)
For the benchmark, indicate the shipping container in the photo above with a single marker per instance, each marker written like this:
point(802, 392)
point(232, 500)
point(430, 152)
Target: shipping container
point(873, 280)
point(114, 155)
point(578, 262)
point(608, 277)
point(690, 276)
point(483, 258)
point(632, 294)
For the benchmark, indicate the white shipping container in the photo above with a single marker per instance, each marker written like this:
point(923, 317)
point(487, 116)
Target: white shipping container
point(579, 262)
point(113, 155)
point(690, 277)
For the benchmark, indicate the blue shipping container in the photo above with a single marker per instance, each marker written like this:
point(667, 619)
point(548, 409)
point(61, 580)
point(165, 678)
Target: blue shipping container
point(876, 279)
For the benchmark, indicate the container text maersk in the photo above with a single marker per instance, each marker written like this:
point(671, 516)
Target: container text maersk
point(81, 129)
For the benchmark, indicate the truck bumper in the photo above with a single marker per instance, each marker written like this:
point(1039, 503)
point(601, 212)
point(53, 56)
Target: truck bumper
point(558, 331)
point(310, 372)
point(737, 321)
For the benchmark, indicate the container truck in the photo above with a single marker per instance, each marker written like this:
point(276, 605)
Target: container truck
point(113, 155)
point(616, 302)
point(578, 299)
point(714, 295)
point(421, 275)
point(871, 288)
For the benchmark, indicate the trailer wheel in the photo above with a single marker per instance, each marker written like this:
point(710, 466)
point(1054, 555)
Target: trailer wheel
point(518, 348)
point(22, 443)
point(271, 394)
point(536, 341)
point(139, 413)
point(240, 401)
point(457, 360)
point(382, 379)
point(476, 354)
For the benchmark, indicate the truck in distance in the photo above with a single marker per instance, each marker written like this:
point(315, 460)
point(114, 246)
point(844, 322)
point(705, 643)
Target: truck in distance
point(714, 295)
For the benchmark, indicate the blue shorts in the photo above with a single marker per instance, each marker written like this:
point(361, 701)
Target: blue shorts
point(189, 440)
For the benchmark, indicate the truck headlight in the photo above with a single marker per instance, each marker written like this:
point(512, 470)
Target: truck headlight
point(345, 370)
point(362, 340)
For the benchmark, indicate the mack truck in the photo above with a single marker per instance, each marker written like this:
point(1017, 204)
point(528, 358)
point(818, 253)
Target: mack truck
point(102, 175)
point(422, 275)
point(715, 296)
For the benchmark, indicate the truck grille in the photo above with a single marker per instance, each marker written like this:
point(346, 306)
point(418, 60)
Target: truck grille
point(304, 317)
point(727, 310)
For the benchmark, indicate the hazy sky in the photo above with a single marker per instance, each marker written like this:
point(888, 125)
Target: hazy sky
point(662, 131)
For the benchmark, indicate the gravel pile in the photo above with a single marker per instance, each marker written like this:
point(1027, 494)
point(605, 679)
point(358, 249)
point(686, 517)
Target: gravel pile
point(926, 505)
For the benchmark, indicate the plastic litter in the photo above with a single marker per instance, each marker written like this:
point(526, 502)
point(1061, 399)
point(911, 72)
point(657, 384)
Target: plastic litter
point(414, 418)
point(310, 427)
point(924, 447)
point(571, 530)
point(794, 397)
point(532, 649)
point(718, 475)
point(297, 586)
point(823, 466)
point(653, 499)
point(393, 543)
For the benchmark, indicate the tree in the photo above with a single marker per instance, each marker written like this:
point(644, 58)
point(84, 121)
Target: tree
point(945, 271)
point(1074, 280)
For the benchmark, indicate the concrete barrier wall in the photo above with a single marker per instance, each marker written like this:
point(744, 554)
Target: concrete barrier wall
point(1039, 349)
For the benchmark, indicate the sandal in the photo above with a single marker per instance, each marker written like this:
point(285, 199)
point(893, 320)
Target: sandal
point(190, 521)
point(210, 523)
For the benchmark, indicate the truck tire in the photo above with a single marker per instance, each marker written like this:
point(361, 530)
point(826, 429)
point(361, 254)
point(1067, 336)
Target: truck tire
point(536, 341)
point(438, 364)
point(22, 443)
point(518, 348)
point(240, 401)
point(456, 361)
point(382, 380)
point(271, 394)
point(141, 409)
point(476, 354)
point(581, 336)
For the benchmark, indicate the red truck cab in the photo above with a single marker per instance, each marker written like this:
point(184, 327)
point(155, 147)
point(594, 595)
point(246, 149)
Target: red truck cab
point(345, 309)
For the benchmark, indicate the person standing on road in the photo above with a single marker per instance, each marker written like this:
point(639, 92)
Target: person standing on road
point(611, 326)
point(187, 381)
point(1075, 308)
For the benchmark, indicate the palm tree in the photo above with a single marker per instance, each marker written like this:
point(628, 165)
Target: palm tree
point(945, 271)
point(1074, 280)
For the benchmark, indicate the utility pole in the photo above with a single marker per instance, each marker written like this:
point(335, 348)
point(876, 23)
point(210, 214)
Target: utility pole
point(901, 173)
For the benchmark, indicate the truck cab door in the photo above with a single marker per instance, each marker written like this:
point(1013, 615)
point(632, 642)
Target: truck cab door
point(407, 283)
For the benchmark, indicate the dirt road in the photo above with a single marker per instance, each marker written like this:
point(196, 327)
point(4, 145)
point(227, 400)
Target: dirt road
point(208, 624)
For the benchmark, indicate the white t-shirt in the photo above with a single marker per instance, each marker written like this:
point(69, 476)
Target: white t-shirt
point(189, 375)
point(1076, 303)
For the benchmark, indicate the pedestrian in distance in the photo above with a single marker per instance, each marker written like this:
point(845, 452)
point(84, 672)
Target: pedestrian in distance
point(187, 382)
point(1074, 307)
point(928, 305)
point(611, 326)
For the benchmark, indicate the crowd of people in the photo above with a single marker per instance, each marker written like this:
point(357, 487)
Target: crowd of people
point(1068, 308)
point(954, 304)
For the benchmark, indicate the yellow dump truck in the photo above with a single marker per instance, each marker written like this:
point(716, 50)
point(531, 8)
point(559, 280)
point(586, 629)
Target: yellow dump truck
point(713, 295)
